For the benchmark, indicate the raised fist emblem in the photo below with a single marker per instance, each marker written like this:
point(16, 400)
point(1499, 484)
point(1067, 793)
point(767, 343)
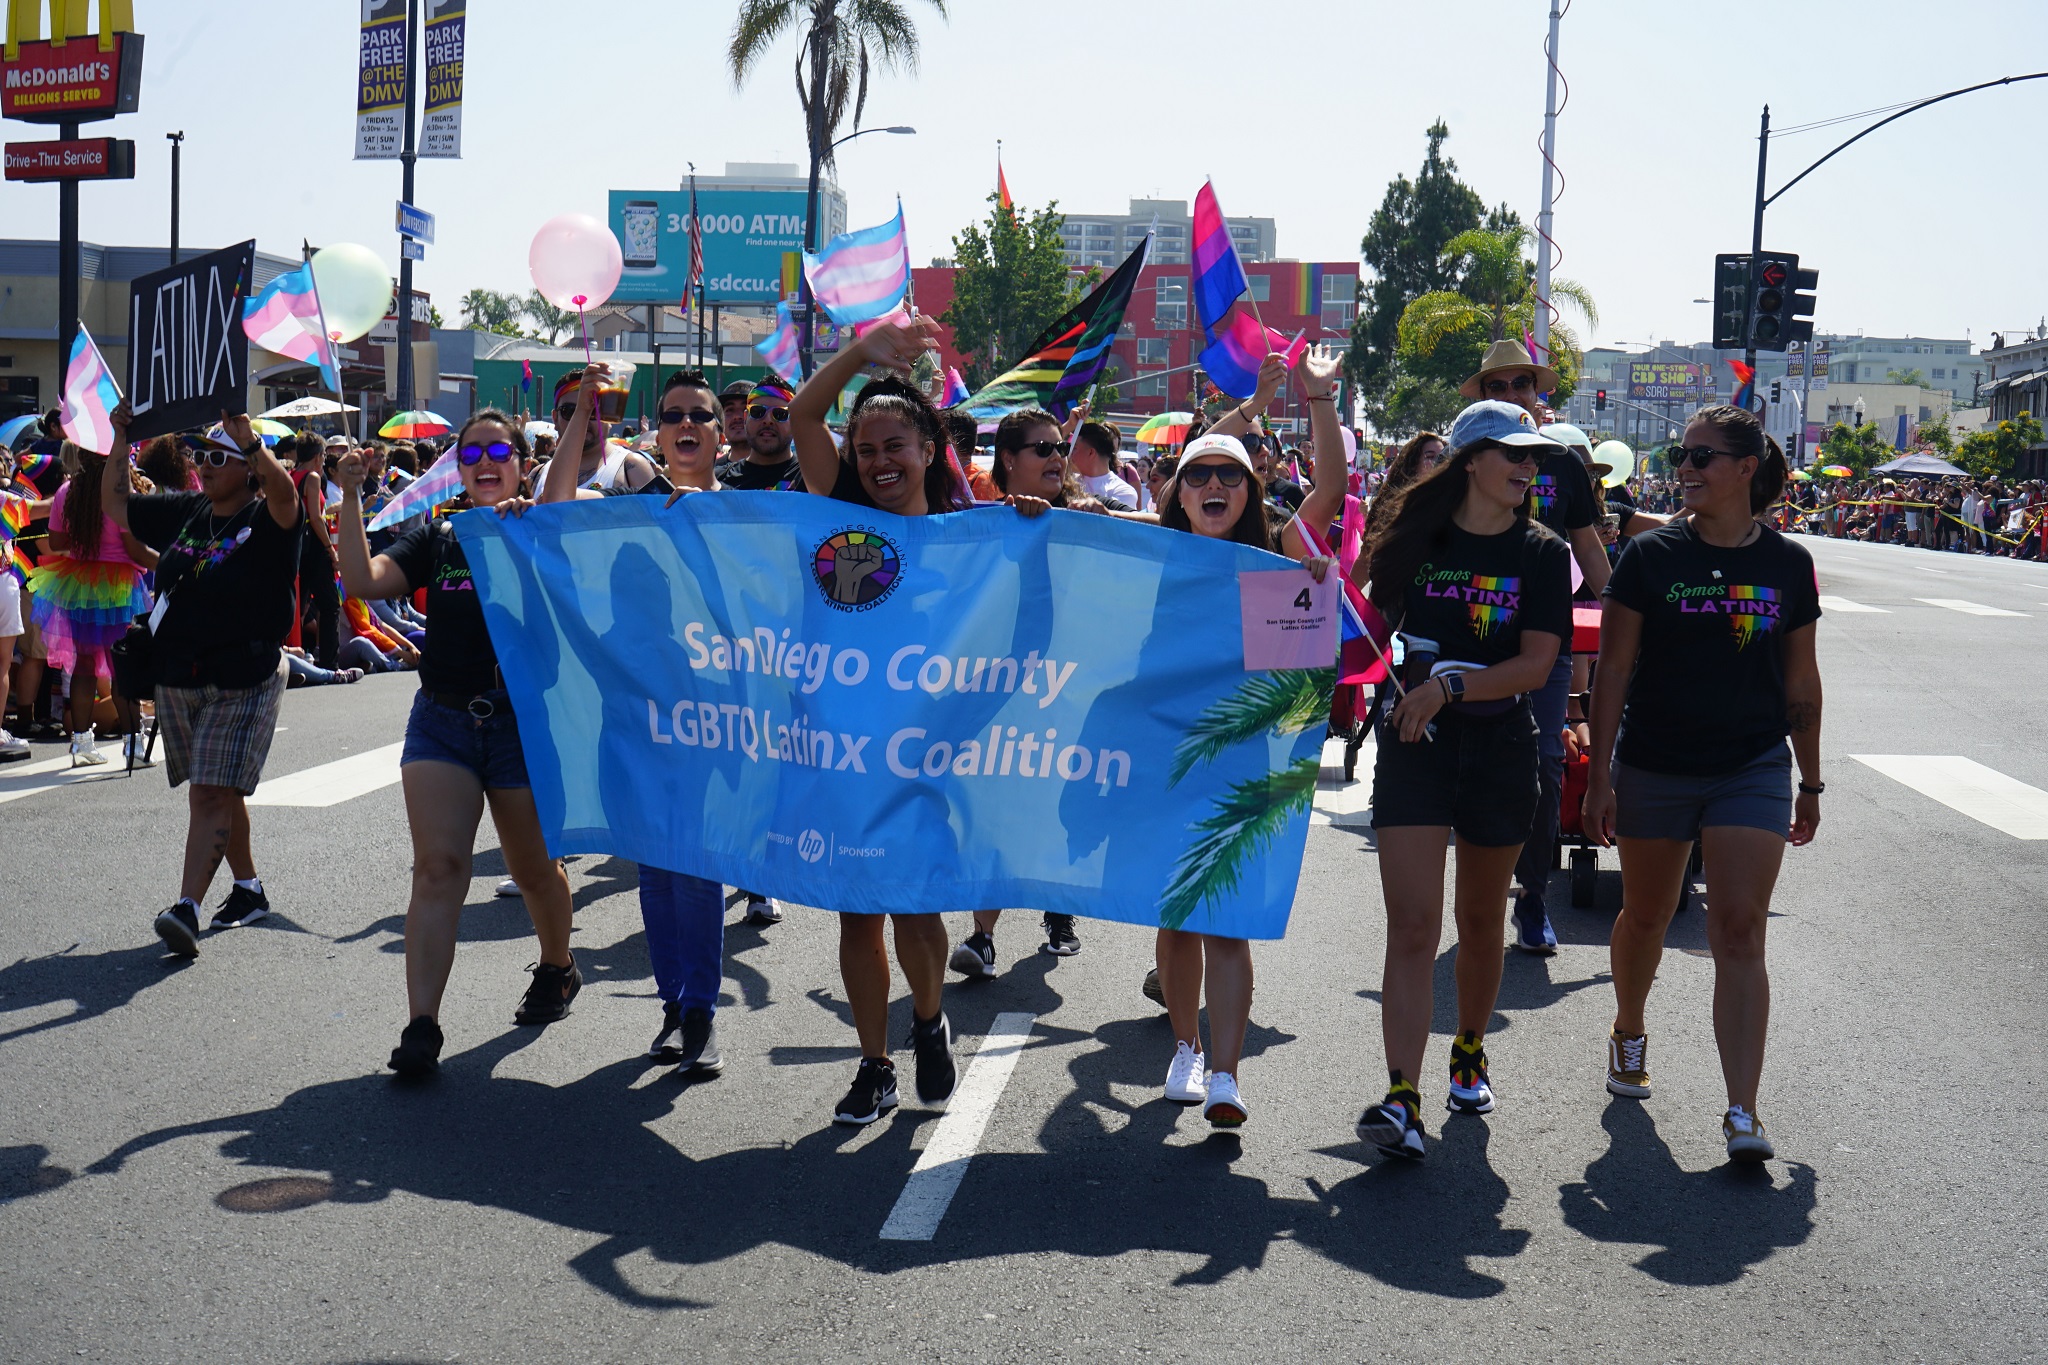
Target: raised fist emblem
point(853, 566)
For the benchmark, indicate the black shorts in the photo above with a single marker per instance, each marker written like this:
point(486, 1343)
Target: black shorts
point(1478, 777)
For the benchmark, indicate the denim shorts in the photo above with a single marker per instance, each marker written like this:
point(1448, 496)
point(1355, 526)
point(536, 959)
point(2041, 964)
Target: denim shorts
point(1477, 776)
point(1758, 795)
point(487, 746)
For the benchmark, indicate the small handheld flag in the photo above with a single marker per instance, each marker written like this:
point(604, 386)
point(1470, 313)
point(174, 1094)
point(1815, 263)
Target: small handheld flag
point(525, 375)
point(90, 397)
point(1239, 347)
point(781, 350)
point(286, 318)
point(863, 274)
point(1219, 276)
point(1745, 383)
point(956, 389)
point(442, 481)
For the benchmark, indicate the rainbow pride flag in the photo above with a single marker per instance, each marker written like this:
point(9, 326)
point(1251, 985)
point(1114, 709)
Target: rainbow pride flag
point(286, 319)
point(14, 519)
point(780, 350)
point(90, 396)
point(1068, 357)
point(1219, 276)
point(1236, 350)
point(862, 274)
point(1308, 290)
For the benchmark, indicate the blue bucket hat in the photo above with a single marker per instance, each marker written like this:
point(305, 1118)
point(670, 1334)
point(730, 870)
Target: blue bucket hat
point(1506, 424)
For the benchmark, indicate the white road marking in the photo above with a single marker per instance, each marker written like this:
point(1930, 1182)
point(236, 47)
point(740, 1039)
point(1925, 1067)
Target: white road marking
point(61, 763)
point(1843, 604)
point(1341, 803)
point(940, 1167)
point(1967, 608)
point(1984, 794)
point(56, 773)
point(330, 784)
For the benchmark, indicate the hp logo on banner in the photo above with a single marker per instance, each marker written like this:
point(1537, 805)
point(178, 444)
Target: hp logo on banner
point(810, 846)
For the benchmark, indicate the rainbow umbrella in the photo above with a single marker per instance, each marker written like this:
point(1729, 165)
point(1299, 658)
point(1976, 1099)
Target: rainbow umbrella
point(271, 432)
point(1167, 429)
point(1801, 476)
point(1838, 471)
point(414, 424)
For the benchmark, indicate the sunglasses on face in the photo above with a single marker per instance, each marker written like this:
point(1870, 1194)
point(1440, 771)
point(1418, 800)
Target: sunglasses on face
point(1521, 383)
point(1698, 456)
point(1253, 442)
point(567, 410)
point(216, 458)
point(499, 451)
point(675, 417)
point(757, 412)
point(1044, 450)
point(1197, 475)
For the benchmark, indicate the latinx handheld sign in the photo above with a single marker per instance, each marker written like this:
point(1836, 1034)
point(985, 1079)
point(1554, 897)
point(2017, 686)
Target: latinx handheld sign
point(188, 358)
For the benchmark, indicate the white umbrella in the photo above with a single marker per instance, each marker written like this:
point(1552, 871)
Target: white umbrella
point(534, 429)
point(309, 407)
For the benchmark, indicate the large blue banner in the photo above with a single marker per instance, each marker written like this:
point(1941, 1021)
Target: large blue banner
point(865, 712)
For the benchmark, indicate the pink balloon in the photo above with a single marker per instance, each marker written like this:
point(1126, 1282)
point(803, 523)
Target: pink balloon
point(575, 261)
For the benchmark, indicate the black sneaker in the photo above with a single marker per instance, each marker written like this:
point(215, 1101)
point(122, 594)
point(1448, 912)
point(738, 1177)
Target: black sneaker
point(419, 1049)
point(1153, 990)
point(242, 906)
point(763, 910)
point(178, 927)
point(547, 999)
point(1394, 1126)
point(873, 1093)
point(976, 958)
point(700, 1044)
point(1060, 939)
point(664, 1044)
point(932, 1041)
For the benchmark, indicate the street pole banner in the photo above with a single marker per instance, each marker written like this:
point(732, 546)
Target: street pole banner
point(870, 713)
point(441, 128)
point(188, 357)
point(380, 82)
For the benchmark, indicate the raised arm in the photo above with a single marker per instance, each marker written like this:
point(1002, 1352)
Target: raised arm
point(1236, 422)
point(276, 481)
point(565, 469)
point(370, 579)
point(114, 474)
point(891, 346)
point(1324, 503)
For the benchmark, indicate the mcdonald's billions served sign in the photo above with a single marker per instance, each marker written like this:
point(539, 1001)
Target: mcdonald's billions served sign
point(75, 73)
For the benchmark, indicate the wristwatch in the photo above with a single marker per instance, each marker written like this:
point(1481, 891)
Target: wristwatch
point(1814, 790)
point(1454, 685)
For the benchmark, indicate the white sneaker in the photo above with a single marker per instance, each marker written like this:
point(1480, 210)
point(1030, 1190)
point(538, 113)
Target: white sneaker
point(85, 751)
point(135, 751)
point(1226, 1107)
point(1186, 1082)
point(12, 748)
point(508, 888)
point(1745, 1134)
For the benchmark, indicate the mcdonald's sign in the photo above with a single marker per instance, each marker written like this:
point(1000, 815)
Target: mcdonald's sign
point(80, 72)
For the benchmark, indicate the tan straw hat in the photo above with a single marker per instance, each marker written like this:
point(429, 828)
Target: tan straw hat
point(1508, 355)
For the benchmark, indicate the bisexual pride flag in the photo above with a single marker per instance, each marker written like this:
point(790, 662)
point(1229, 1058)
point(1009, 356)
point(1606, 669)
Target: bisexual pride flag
point(1237, 349)
point(1363, 634)
point(286, 319)
point(1219, 277)
point(861, 275)
point(90, 396)
point(956, 389)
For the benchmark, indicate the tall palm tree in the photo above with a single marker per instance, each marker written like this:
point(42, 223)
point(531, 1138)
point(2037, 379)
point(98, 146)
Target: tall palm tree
point(1496, 290)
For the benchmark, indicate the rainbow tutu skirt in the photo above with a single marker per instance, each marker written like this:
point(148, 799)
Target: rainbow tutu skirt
point(84, 605)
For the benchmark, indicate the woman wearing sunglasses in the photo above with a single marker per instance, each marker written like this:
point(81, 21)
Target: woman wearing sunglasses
point(1481, 594)
point(1215, 491)
point(1706, 666)
point(461, 746)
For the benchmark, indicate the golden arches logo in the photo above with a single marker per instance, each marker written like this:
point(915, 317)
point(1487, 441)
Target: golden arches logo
point(68, 19)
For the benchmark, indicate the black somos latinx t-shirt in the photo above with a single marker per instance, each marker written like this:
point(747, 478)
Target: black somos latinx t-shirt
point(1475, 595)
point(457, 656)
point(1708, 693)
point(1561, 494)
point(232, 582)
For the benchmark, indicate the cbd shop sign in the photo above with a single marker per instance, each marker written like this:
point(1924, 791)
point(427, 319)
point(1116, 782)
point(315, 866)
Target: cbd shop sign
point(79, 72)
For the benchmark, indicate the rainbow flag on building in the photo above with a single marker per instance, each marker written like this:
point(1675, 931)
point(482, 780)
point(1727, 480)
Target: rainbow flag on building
point(1308, 290)
point(862, 274)
point(1068, 356)
point(286, 319)
point(90, 397)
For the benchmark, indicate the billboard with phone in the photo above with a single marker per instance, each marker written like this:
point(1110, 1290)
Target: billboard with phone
point(746, 233)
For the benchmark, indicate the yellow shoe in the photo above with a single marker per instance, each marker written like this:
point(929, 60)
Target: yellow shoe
point(1628, 1069)
point(1745, 1134)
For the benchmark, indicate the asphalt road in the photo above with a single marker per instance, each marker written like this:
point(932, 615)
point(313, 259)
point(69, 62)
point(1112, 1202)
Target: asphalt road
point(206, 1161)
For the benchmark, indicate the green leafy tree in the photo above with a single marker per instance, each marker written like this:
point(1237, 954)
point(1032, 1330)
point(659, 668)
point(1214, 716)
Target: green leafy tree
point(1937, 435)
point(1495, 298)
point(487, 310)
point(549, 322)
point(1860, 448)
point(1012, 281)
point(1995, 453)
point(1912, 378)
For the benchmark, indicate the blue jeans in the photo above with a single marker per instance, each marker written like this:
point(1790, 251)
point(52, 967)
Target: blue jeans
point(1532, 869)
point(685, 919)
point(487, 746)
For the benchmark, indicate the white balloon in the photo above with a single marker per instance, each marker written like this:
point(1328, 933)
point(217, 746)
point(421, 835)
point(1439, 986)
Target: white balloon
point(355, 290)
point(1617, 454)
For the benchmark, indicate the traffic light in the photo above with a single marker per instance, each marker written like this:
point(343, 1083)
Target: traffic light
point(1731, 302)
point(1783, 313)
point(1599, 400)
point(1774, 391)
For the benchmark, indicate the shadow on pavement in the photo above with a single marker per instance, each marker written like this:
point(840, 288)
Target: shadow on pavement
point(26, 1170)
point(1706, 1227)
point(1525, 984)
point(94, 983)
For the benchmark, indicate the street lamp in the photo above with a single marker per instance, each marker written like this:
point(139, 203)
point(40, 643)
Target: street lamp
point(177, 141)
point(818, 156)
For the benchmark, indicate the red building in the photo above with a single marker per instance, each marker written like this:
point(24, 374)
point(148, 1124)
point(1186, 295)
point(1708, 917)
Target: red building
point(1159, 338)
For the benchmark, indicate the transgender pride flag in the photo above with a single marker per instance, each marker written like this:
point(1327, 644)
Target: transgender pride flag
point(285, 318)
point(781, 350)
point(441, 482)
point(861, 275)
point(90, 397)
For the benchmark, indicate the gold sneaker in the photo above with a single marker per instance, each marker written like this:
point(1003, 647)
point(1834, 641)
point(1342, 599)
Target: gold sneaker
point(1628, 1070)
point(1745, 1134)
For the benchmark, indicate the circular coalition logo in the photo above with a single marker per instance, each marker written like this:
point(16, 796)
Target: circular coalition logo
point(810, 846)
point(857, 570)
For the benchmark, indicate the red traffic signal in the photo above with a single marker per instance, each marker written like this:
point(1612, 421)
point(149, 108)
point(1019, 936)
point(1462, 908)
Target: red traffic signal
point(1773, 273)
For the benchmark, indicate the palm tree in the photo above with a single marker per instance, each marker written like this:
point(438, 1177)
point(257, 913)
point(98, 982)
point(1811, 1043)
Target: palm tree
point(1496, 290)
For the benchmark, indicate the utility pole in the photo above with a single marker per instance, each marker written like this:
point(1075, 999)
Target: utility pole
point(177, 141)
point(1756, 247)
point(1544, 216)
point(407, 156)
point(67, 258)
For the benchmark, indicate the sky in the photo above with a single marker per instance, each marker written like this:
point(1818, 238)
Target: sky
point(1299, 110)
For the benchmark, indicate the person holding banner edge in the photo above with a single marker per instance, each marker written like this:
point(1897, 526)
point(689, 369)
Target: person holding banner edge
point(462, 746)
point(1481, 592)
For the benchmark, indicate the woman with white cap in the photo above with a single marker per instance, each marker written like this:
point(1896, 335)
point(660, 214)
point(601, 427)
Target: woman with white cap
point(1481, 593)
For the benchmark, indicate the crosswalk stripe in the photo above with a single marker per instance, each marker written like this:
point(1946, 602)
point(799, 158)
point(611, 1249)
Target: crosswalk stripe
point(330, 784)
point(1984, 794)
point(1338, 802)
point(1843, 604)
point(1967, 608)
point(49, 777)
point(943, 1163)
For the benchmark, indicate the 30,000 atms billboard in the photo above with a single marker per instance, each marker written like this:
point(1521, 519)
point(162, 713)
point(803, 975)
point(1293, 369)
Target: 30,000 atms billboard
point(746, 233)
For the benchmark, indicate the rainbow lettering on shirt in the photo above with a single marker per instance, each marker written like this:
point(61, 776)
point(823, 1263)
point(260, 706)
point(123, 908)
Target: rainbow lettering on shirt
point(1542, 496)
point(1753, 612)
